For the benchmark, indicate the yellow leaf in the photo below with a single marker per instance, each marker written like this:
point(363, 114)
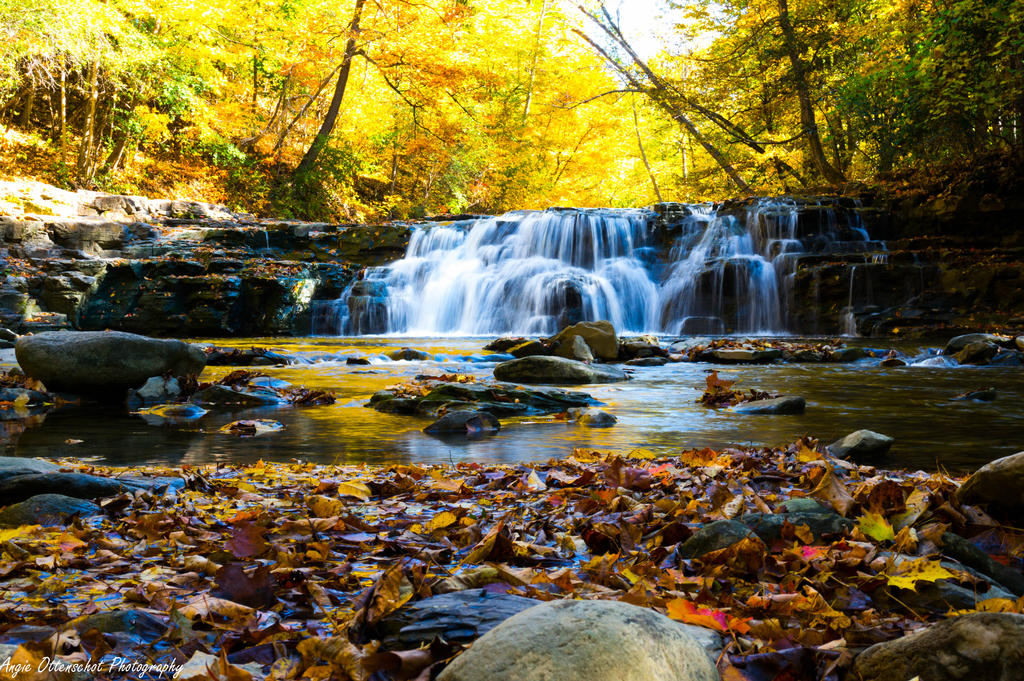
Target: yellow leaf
point(910, 572)
point(16, 532)
point(354, 489)
point(441, 520)
point(325, 507)
point(874, 525)
point(806, 454)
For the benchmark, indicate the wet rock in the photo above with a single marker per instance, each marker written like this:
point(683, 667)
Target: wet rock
point(976, 353)
point(46, 509)
point(156, 390)
point(648, 362)
point(789, 404)
point(980, 395)
point(409, 354)
point(556, 370)
point(240, 357)
point(8, 335)
point(225, 397)
point(682, 347)
point(18, 488)
point(1018, 341)
point(893, 362)
point(741, 356)
point(999, 483)
point(466, 423)
point(357, 361)
point(640, 349)
point(958, 343)
point(1006, 358)
point(171, 413)
point(849, 354)
point(580, 351)
point(714, 537)
point(504, 344)
point(599, 336)
point(807, 355)
point(861, 444)
point(460, 617)
point(103, 363)
point(499, 399)
point(531, 348)
point(11, 466)
point(960, 549)
point(32, 401)
point(822, 523)
point(573, 640)
point(130, 621)
point(970, 647)
point(593, 418)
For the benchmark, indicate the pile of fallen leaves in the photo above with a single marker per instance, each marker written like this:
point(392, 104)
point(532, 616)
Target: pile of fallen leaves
point(283, 570)
point(719, 393)
point(241, 379)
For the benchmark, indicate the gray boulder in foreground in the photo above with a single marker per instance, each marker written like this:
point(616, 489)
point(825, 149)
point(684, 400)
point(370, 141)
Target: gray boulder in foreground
point(103, 362)
point(999, 483)
point(556, 370)
point(978, 646)
point(585, 641)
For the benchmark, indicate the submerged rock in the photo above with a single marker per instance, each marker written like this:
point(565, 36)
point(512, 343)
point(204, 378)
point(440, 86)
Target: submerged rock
point(466, 423)
point(970, 647)
point(788, 404)
point(999, 483)
point(571, 640)
point(46, 509)
point(103, 363)
point(980, 395)
point(409, 354)
point(557, 370)
point(498, 399)
point(599, 336)
point(594, 418)
point(861, 444)
point(225, 397)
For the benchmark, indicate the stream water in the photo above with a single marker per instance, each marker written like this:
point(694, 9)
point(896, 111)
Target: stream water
point(657, 411)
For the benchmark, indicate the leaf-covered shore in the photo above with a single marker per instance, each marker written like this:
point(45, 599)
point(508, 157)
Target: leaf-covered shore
point(283, 570)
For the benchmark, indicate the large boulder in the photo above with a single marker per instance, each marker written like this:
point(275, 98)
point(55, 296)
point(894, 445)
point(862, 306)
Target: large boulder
point(78, 485)
point(585, 641)
point(104, 363)
point(998, 483)
point(599, 336)
point(979, 352)
point(958, 343)
point(556, 370)
point(970, 647)
point(861, 444)
point(714, 536)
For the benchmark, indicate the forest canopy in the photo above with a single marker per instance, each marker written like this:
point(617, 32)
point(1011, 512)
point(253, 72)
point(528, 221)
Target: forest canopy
point(372, 108)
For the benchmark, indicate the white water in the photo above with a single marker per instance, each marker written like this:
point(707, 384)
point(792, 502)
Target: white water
point(533, 272)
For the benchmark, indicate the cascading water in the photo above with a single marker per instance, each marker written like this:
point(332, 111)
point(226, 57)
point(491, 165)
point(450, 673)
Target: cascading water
point(533, 272)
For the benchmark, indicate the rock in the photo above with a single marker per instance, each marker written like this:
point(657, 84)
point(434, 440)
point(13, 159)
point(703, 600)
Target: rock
point(531, 348)
point(958, 548)
point(8, 335)
point(498, 399)
point(409, 354)
point(742, 356)
point(640, 349)
point(958, 343)
point(599, 336)
point(466, 423)
point(822, 523)
point(648, 362)
point(504, 344)
point(460, 617)
point(104, 363)
point(594, 418)
point(1018, 341)
point(1007, 358)
point(556, 370)
point(79, 485)
point(578, 350)
point(684, 346)
point(788, 404)
point(807, 355)
point(714, 537)
point(980, 395)
point(970, 647)
point(572, 640)
point(849, 354)
point(156, 390)
point(892, 362)
point(357, 361)
point(976, 353)
point(136, 622)
point(861, 443)
point(999, 483)
point(11, 466)
point(223, 396)
point(46, 509)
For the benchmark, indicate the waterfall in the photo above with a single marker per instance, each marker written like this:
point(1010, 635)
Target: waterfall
point(534, 272)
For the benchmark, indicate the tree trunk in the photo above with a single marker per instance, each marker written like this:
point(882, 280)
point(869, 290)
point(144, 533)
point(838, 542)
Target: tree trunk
point(534, 58)
point(643, 155)
point(84, 167)
point(63, 109)
point(320, 141)
point(25, 119)
point(807, 120)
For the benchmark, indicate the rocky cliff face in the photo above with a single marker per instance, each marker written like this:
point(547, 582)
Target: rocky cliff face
point(177, 268)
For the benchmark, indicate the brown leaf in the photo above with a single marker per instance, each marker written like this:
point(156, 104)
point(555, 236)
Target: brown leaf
point(833, 492)
point(247, 540)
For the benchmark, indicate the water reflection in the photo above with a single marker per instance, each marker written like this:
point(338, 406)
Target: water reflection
point(656, 411)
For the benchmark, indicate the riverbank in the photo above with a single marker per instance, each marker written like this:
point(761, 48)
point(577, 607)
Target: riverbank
point(786, 557)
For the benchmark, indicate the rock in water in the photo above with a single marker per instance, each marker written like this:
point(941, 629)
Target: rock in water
point(789, 404)
point(599, 336)
point(861, 443)
point(979, 352)
point(584, 641)
point(556, 370)
point(999, 483)
point(958, 343)
point(971, 647)
point(103, 363)
point(594, 418)
point(578, 350)
point(467, 423)
point(409, 355)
